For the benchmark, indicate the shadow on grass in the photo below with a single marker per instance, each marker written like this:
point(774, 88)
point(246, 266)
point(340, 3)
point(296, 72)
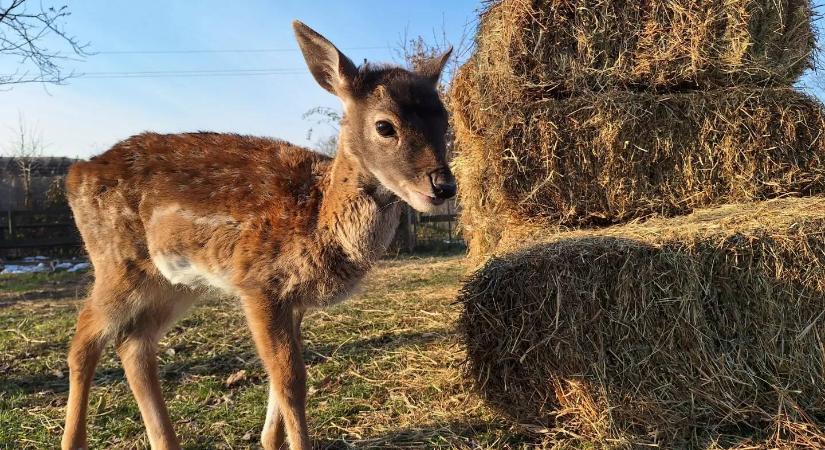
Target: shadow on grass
point(225, 363)
point(461, 434)
point(367, 348)
point(451, 435)
point(52, 383)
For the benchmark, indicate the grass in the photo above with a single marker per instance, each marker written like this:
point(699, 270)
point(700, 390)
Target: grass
point(26, 282)
point(384, 372)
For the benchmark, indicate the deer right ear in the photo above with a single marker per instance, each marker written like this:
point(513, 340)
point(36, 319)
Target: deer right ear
point(331, 68)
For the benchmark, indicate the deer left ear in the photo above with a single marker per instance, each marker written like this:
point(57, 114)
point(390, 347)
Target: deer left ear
point(432, 68)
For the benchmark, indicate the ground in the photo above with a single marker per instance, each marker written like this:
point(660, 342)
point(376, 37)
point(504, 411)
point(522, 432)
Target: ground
point(384, 369)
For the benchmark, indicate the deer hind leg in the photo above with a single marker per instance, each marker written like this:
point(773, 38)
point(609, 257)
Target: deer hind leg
point(275, 332)
point(138, 355)
point(137, 347)
point(273, 435)
point(84, 354)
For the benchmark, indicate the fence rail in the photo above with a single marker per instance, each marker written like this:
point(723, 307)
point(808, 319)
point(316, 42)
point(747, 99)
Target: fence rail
point(421, 232)
point(53, 233)
point(437, 218)
point(49, 232)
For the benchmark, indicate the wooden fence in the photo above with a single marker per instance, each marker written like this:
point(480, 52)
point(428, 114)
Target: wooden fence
point(42, 232)
point(53, 233)
point(422, 232)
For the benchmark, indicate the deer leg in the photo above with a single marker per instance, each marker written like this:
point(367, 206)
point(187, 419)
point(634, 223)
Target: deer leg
point(84, 354)
point(273, 435)
point(138, 355)
point(276, 336)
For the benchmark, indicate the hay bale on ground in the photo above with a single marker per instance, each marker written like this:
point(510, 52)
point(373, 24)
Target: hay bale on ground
point(531, 49)
point(686, 333)
point(611, 158)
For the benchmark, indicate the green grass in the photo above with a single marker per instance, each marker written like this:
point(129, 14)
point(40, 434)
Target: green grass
point(38, 281)
point(384, 372)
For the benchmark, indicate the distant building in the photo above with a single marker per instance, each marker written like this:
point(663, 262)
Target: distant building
point(46, 175)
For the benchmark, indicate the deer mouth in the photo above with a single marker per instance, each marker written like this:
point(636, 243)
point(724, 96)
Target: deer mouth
point(429, 198)
point(413, 193)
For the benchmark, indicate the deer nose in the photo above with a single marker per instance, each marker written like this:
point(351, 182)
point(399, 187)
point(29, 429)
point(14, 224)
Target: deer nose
point(443, 183)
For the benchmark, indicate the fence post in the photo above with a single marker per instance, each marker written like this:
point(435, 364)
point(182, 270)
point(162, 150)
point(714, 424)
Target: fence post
point(412, 216)
point(450, 222)
point(10, 207)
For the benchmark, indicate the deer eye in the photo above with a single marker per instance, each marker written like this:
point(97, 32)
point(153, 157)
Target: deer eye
point(384, 128)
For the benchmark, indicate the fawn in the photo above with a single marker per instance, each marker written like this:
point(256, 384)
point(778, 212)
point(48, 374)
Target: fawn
point(169, 218)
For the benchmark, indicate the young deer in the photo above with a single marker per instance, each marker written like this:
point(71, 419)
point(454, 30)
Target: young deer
point(166, 218)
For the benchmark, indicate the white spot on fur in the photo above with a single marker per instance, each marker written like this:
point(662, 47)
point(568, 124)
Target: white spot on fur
point(271, 410)
point(211, 220)
point(180, 270)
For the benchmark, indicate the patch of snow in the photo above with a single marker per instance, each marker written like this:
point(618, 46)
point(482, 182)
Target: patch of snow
point(15, 269)
point(80, 267)
point(63, 266)
point(35, 258)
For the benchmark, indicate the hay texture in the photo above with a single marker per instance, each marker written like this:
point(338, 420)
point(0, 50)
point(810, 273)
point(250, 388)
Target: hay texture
point(530, 49)
point(697, 332)
point(606, 159)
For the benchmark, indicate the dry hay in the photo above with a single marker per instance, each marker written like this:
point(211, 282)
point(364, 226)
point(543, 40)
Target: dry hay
point(531, 49)
point(696, 332)
point(614, 157)
point(480, 216)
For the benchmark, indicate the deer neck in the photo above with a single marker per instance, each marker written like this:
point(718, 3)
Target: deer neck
point(357, 212)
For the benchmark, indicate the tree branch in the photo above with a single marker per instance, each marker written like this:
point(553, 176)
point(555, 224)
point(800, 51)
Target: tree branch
point(22, 34)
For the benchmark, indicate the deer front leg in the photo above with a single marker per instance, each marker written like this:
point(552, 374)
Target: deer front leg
point(275, 330)
point(273, 434)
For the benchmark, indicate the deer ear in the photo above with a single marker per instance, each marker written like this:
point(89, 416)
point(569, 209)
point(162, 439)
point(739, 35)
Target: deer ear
point(331, 68)
point(432, 68)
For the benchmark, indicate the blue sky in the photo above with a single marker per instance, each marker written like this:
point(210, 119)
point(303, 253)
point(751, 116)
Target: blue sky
point(89, 114)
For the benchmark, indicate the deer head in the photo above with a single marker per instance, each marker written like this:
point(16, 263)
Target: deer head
point(394, 123)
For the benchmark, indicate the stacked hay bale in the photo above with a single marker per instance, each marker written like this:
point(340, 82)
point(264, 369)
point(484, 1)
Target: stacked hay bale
point(618, 162)
point(554, 81)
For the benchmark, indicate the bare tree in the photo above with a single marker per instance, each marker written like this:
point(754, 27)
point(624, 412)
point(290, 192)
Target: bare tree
point(327, 118)
point(26, 150)
point(25, 28)
point(56, 193)
point(414, 51)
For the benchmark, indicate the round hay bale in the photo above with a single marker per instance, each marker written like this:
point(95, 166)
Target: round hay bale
point(695, 332)
point(533, 49)
point(611, 158)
